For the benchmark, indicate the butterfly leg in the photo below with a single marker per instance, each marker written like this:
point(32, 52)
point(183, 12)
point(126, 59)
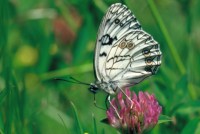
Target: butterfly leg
point(95, 103)
point(106, 101)
point(126, 96)
point(113, 107)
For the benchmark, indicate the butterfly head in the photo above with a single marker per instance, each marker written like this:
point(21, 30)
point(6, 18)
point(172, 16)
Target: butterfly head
point(93, 88)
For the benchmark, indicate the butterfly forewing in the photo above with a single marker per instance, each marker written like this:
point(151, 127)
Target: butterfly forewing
point(125, 54)
point(117, 22)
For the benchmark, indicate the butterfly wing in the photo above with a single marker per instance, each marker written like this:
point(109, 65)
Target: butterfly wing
point(132, 58)
point(124, 54)
point(117, 22)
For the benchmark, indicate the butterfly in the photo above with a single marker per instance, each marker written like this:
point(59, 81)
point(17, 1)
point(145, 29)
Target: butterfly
point(125, 54)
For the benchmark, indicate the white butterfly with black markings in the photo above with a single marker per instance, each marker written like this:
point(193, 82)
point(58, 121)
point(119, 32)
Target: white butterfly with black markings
point(125, 54)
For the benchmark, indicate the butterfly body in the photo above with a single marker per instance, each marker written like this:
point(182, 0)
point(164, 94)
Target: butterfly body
point(125, 54)
point(109, 87)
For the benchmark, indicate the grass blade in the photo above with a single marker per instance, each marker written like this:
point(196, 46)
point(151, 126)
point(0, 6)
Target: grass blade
point(191, 127)
point(77, 119)
point(166, 36)
point(164, 118)
point(68, 71)
point(66, 129)
point(95, 124)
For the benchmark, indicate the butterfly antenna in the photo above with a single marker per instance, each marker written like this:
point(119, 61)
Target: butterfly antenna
point(78, 81)
point(72, 81)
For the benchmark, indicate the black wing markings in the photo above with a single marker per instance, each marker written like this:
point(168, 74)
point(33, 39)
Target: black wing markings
point(107, 40)
point(103, 54)
point(152, 68)
point(127, 22)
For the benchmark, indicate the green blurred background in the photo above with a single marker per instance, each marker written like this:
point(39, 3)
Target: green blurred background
point(43, 40)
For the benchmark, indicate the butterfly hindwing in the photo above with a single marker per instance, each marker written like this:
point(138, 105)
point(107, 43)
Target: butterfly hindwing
point(133, 58)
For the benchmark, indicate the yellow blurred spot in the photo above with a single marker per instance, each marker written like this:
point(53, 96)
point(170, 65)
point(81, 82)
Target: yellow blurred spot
point(27, 56)
point(90, 46)
point(31, 80)
point(54, 49)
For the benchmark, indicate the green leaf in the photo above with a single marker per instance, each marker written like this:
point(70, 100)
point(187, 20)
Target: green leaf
point(166, 35)
point(187, 108)
point(67, 71)
point(159, 95)
point(192, 127)
point(79, 127)
point(164, 118)
point(101, 5)
point(193, 89)
point(95, 124)
point(85, 35)
point(3, 94)
point(105, 121)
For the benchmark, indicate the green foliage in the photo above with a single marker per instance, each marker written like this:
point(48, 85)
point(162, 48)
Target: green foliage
point(192, 127)
point(164, 118)
point(78, 124)
point(43, 40)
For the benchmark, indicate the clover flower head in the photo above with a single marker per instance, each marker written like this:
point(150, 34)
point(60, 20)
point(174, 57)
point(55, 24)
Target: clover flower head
point(133, 114)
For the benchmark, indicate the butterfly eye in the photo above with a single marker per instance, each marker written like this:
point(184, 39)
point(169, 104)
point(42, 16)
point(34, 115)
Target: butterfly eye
point(130, 45)
point(122, 44)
